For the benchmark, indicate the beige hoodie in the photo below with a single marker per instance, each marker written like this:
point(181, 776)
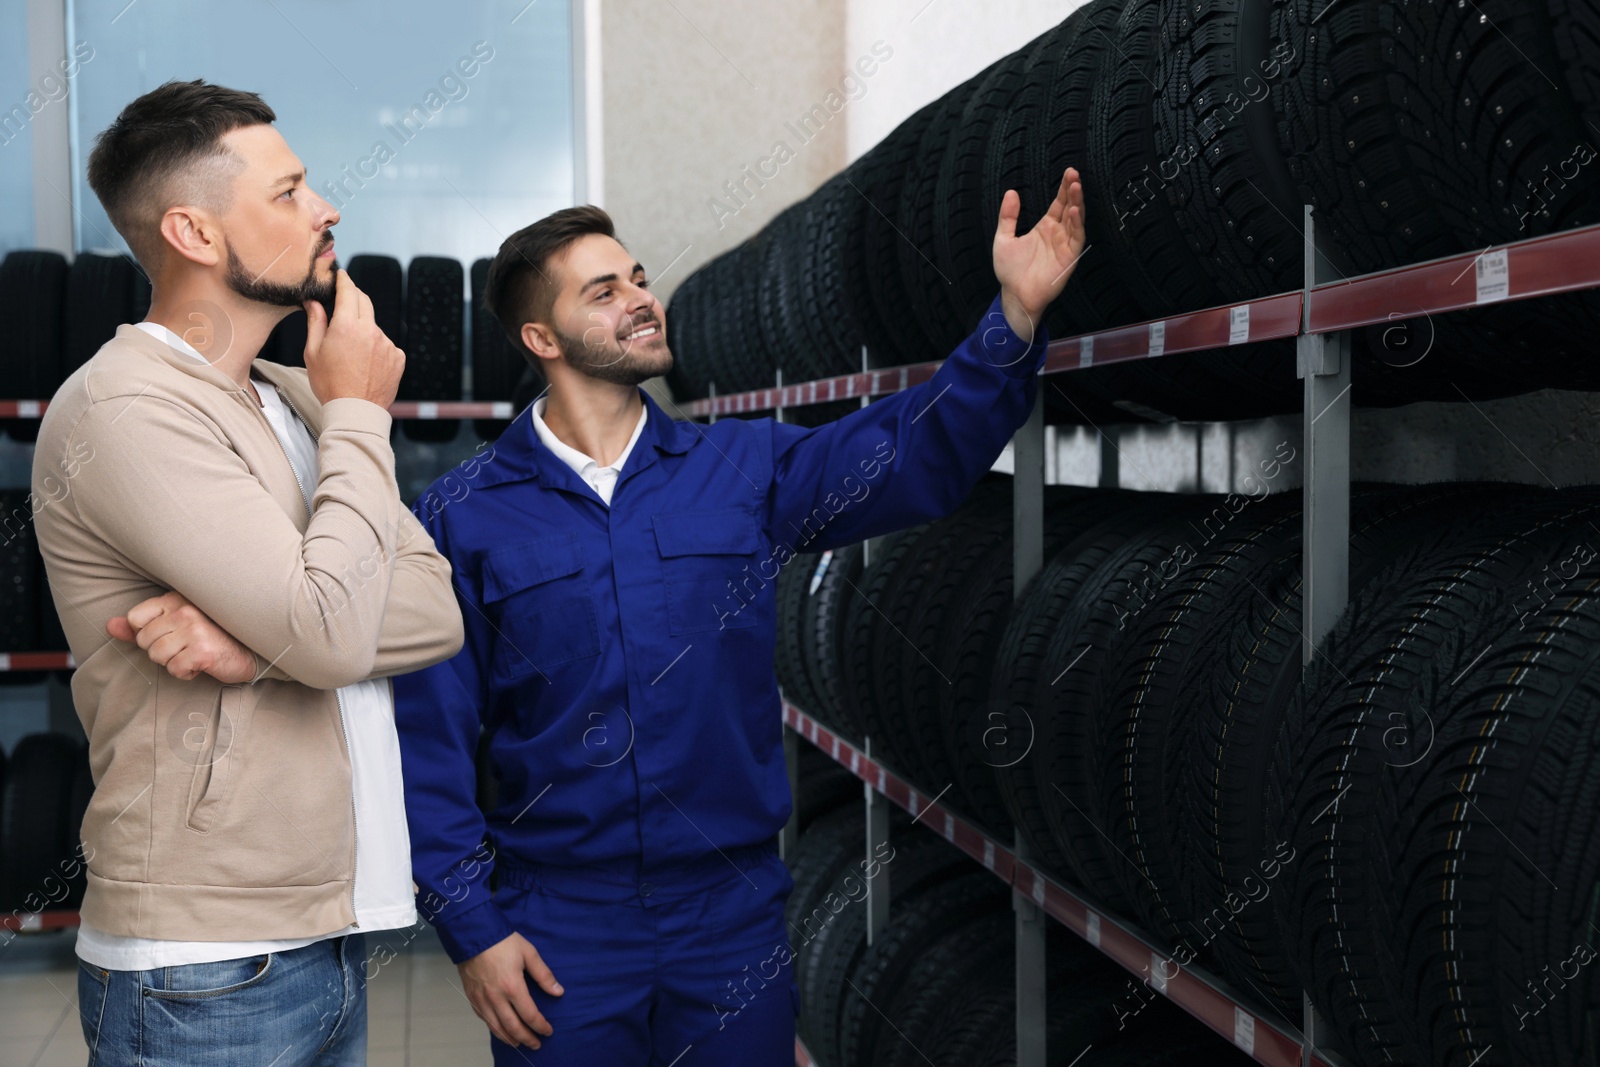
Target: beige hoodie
point(223, 812)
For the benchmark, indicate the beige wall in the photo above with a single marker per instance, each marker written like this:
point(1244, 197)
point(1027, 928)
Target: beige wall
point(696, 91)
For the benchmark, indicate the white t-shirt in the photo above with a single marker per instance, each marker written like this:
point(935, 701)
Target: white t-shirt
point(383, 896)
point(601, 479)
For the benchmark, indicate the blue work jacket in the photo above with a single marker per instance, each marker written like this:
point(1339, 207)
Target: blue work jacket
point(621, 657)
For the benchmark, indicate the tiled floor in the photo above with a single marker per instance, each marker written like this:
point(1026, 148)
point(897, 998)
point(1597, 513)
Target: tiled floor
point(417, 1015)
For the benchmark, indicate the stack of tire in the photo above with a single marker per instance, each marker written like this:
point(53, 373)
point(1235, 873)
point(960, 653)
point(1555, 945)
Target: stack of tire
point(1200, 128)
point(951, 941)
point(62, 314)
point(44, 790)
point(30, 622)
point(1437, 771)
point(1143, 718)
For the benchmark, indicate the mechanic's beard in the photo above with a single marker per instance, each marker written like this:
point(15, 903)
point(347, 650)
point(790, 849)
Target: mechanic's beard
point(276, 293)
point(608, 365)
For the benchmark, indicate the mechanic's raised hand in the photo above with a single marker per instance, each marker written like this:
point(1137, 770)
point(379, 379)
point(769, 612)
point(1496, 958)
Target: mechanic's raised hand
point(1034, 268)
point(180, 637)
point(347, 355)
point(498, 991)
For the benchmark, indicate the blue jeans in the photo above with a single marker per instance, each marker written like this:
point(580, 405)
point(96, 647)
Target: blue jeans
point(689, 969)
point(303, 1008)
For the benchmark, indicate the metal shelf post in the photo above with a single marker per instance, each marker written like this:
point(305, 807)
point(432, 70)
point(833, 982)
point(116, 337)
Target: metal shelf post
point(1027, 548)
point(1323, 363)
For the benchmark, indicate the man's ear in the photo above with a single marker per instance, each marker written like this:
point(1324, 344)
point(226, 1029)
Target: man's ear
point(194, 234)
point(541, 340)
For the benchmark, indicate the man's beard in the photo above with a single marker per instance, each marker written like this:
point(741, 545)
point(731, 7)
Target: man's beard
point(607, 365)
point(311, 287)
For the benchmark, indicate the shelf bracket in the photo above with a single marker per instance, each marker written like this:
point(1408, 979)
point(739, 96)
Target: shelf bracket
point(790, 837)
point(877, 836)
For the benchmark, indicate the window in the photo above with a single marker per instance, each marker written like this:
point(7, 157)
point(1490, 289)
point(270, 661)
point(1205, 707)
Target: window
point(435, 129)
point(16, 138)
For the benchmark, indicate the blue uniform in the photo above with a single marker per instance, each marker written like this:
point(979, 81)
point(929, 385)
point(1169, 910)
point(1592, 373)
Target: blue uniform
point(621, 659)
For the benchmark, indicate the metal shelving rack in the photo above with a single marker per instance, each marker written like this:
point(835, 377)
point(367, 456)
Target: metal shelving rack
point(1320, 316)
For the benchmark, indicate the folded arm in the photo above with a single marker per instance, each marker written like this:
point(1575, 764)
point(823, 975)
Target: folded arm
point(176, 502)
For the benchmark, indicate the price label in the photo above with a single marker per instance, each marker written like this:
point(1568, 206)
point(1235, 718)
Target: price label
point(427, 410)
point(1244, 1031)
point(1494, 276)
point(881, 779)
point(949, 827)
point(1093, 931)
point(822, 568)
point(1038, 889)
point(1239, 324)
point(913, 805)
point(1158, 972)
point(855, 762)
point(28, 409)
point(1158, 338)
point(1086, 352)
point(988, 854)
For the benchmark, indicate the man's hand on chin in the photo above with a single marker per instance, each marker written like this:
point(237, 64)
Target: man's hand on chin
point(180, 637)
point(1034, 268)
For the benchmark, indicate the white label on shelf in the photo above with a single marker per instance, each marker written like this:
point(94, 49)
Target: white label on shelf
point(31, 921)
point(71, 662)
point(913, 806)
point(1158, 972)
point(1244, 1031)
point(427, 410)
point(882, 779)
point(822, 568)
point(1494, 276)
point(28, 409)
point(949, 827)
point(1086, 352)
point(1092, 933)
point(855, 761)
point(1038, 889)
point(1158, 338)
point(501, 409)
point(1239, 324)
point(5, 661)
point(988, 854)
point(836, 750)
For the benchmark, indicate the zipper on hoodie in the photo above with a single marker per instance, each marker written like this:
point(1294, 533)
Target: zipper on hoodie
point(344, 728)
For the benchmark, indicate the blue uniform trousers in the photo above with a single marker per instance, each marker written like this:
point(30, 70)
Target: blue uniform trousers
point(689, 969)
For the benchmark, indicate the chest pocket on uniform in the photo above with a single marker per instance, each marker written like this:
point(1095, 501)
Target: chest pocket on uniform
point(546, 612)
point(709, 566)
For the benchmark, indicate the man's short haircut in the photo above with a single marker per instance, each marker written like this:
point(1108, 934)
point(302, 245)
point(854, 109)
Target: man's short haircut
point(166, 149)
point(521, 286)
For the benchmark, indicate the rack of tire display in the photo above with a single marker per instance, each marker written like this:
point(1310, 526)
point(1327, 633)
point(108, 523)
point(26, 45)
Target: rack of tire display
point(64, 313)
point(1328, 788)
point(1393, 548)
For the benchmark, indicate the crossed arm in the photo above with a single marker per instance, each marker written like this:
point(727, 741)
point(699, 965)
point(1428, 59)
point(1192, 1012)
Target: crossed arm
point(183, 639)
